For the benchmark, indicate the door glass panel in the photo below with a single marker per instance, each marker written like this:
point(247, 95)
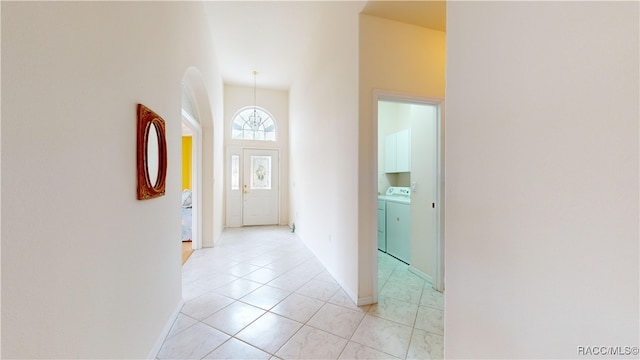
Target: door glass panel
point(235, 172)
point(261, 173)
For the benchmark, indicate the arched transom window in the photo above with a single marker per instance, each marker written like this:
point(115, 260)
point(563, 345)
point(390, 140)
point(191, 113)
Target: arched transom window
point(253, 123)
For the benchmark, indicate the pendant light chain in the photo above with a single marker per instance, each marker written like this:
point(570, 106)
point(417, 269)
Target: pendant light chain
point(255, 119)
point(255, 75)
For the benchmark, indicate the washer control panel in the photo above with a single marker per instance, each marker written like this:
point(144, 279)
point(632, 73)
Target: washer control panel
point(399, 191)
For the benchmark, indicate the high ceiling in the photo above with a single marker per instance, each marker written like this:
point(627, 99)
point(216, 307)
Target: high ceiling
point(428, 14)
point(273, 36)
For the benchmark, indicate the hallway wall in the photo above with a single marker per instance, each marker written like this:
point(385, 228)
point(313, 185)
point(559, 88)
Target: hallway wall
point(323, 132)
point(398, 57)
point(541, 235)
point(89, 271)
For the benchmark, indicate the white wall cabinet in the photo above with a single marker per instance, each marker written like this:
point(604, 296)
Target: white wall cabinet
point(397, 152)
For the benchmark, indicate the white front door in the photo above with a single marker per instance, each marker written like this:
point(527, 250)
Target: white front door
point(261, 187)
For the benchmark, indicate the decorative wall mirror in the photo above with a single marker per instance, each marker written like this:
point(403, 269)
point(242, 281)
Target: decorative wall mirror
point(152, 154)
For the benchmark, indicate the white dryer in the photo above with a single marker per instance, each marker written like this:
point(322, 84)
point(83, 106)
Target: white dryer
point(398, 223)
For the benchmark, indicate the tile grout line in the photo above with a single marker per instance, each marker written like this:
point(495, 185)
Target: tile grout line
point(353, 333)
point(413, 328)
point(303, 324)
point(269, 311)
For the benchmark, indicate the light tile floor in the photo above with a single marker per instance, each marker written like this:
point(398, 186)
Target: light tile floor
point(261, 294)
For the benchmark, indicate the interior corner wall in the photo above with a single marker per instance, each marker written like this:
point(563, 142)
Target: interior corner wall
point(398, 57)
point(542, 178)
point(323, 146)
point(276, 102)
point(89, 271)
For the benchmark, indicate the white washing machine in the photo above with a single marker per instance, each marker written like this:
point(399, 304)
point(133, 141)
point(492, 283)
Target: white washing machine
point(398, 223)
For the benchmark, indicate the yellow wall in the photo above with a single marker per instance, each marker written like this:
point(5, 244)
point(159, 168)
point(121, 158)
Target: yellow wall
point(186, 162)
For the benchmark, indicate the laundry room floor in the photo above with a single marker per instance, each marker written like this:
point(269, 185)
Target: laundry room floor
point(261, 294)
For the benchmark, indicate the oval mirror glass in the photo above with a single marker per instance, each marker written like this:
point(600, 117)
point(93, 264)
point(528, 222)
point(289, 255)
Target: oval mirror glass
point(153, 154)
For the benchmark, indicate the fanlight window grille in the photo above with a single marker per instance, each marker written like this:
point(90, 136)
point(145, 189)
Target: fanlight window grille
point(253, 123)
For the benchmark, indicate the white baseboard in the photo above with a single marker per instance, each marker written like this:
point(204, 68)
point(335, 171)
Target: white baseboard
point(165, 331)
point(350, 295)
point(365, 301)
point(360, 301)
point(354, 297)
point(421, 274)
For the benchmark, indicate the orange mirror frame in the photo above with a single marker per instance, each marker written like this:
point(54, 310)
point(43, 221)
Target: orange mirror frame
point(146, 119)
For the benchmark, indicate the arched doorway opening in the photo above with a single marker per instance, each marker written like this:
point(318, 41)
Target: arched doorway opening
point(191, 171)
point(197, 124)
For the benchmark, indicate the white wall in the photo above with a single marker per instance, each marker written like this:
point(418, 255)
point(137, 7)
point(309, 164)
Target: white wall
point(324, 131)
point(88, 270)
point(276, 102)
point(398, 57)
point(542, 178)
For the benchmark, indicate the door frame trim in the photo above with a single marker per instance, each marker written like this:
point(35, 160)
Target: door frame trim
point(380, 94)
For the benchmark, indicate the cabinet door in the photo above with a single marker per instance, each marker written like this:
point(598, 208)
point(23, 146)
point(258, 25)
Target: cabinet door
point(403, 151)
point(390, 152)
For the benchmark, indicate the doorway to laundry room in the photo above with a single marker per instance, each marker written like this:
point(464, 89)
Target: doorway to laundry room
point(409, 180)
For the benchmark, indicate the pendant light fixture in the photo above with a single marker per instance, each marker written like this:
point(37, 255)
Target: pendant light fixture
point(255, 120)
